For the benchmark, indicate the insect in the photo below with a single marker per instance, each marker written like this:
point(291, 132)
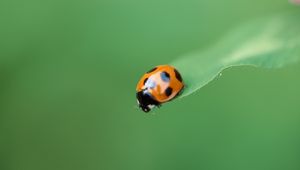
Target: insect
point(159, 85)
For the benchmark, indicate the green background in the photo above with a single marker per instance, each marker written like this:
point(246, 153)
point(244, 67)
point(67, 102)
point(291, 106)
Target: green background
point(68, 71)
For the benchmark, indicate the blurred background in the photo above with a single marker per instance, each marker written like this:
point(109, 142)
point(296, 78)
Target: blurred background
point(68, 71)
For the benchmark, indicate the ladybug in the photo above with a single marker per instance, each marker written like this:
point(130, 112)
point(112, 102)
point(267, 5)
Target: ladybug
point(159, 85)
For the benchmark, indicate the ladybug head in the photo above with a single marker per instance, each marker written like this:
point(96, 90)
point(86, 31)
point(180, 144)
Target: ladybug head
point(146, 101)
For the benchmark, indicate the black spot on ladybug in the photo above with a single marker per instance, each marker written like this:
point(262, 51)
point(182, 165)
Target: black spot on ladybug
point(145, 80)
point(165, 76)
point(178, 76)
point(153, 69)
point(168, 91)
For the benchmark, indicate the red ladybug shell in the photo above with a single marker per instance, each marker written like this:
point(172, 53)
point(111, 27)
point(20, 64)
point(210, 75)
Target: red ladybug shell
point(163, 83)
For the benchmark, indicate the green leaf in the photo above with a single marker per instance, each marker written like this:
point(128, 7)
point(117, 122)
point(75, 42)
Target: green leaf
point(269, 42)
